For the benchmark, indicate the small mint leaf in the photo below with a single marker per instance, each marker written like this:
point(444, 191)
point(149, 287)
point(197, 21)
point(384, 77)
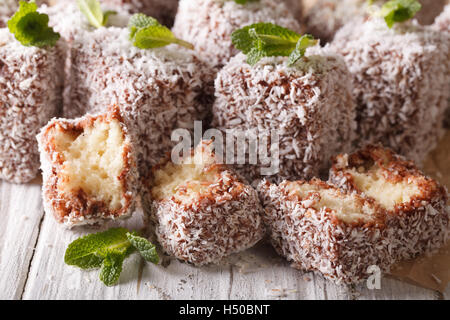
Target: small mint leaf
point(267, 40)
point(303, 43)
point(399, 11)
point(31, 28)
point(145, 248)
point(147, 33)
point(89, 251)
point(111, 268)
point(92, 10)
point(140, 21)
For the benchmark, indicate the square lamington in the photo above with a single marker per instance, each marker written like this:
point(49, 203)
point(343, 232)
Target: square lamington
point(201, 210)
point(400, 84)
point(30, 95)
point(89, 169)
point(416, 205)
point(318, 227)
point(308, 105)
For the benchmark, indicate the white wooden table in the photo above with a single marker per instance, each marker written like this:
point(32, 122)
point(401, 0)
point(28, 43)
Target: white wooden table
point(32, 247)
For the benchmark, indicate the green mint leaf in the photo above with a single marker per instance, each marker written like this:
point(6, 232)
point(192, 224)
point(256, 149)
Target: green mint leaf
point(89, 251)
point(303, 43)
point(269, 40)
point(111, 268)
point(399, 11)
point(140, 21)
point(31, 28)
point(147, 33)
point(93, 12)
point(145, 248)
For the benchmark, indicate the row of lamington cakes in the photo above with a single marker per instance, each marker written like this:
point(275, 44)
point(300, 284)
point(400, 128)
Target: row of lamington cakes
point(124, 82)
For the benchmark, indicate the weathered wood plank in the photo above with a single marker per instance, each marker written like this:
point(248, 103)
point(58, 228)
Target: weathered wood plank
point(50, 278)
point(21, 213)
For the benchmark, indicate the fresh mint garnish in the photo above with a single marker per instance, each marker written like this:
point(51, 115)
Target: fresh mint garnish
point(107, 250)
point(111, 268)
point(31, 28)
point(399, 11)
point(147, 33)
point(145, 248)
point(269, 40)
point(93, 12)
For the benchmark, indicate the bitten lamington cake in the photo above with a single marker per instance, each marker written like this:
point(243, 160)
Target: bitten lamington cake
point(30, 95)
point(379, 211)
point(320, 228)
point(202, 211)
point(208, 24)
point(309, 105)
point(89, 169)
point(417, 212)
point(399, 83)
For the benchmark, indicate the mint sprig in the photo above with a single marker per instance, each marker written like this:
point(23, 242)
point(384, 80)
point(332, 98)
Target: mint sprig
point(269, 40)
point(399, 11)
point(145, 248)
point(93, 12)
point(147, 33)
point(31, 28)
point(107, 250)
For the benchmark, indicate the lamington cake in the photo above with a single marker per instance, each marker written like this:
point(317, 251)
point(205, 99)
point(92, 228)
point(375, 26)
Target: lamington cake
point(377, 209)
point(201, 210)
point(416, 205)
point(318, 227)
point(399, 84)
point(30, 95)
point(89, 169)
point(208, 24)
point(308, 105)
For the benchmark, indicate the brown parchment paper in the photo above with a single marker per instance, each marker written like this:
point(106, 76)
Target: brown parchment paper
point(431, 272)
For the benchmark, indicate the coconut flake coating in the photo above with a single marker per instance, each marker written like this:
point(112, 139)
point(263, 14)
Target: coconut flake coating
point(309, 106)
point(67, 19)
point(30, 95)
point(208, 24)
point(399, 84)
point(316, 240)
point(421, 223)
point(75, 207)
point(157, 90)
point(221, 219)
